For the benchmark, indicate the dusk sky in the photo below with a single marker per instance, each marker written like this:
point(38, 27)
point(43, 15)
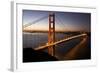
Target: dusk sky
point(68, 21)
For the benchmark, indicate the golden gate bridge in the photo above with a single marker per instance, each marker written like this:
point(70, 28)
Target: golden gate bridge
point(50, 45)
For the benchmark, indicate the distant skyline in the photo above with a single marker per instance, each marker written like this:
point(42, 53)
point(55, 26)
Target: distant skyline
point(68, 21)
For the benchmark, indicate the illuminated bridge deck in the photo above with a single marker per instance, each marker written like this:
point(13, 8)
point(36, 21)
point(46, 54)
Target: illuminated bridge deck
point(61, 41)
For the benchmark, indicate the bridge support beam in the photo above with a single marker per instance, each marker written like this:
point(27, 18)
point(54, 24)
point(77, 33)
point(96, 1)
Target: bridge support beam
point(51, 34)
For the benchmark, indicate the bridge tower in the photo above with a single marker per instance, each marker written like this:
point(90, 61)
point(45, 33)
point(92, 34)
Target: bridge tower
point(51, 34)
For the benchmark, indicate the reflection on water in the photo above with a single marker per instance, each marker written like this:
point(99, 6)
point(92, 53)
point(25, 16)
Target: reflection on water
point(33, 40)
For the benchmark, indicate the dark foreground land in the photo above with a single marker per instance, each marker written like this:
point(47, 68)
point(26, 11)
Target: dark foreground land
point(30, 55)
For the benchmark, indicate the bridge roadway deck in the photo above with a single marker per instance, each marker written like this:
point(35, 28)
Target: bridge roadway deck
point(58, 42)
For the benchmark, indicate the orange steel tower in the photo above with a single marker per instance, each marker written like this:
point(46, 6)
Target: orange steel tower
point(51, 33)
